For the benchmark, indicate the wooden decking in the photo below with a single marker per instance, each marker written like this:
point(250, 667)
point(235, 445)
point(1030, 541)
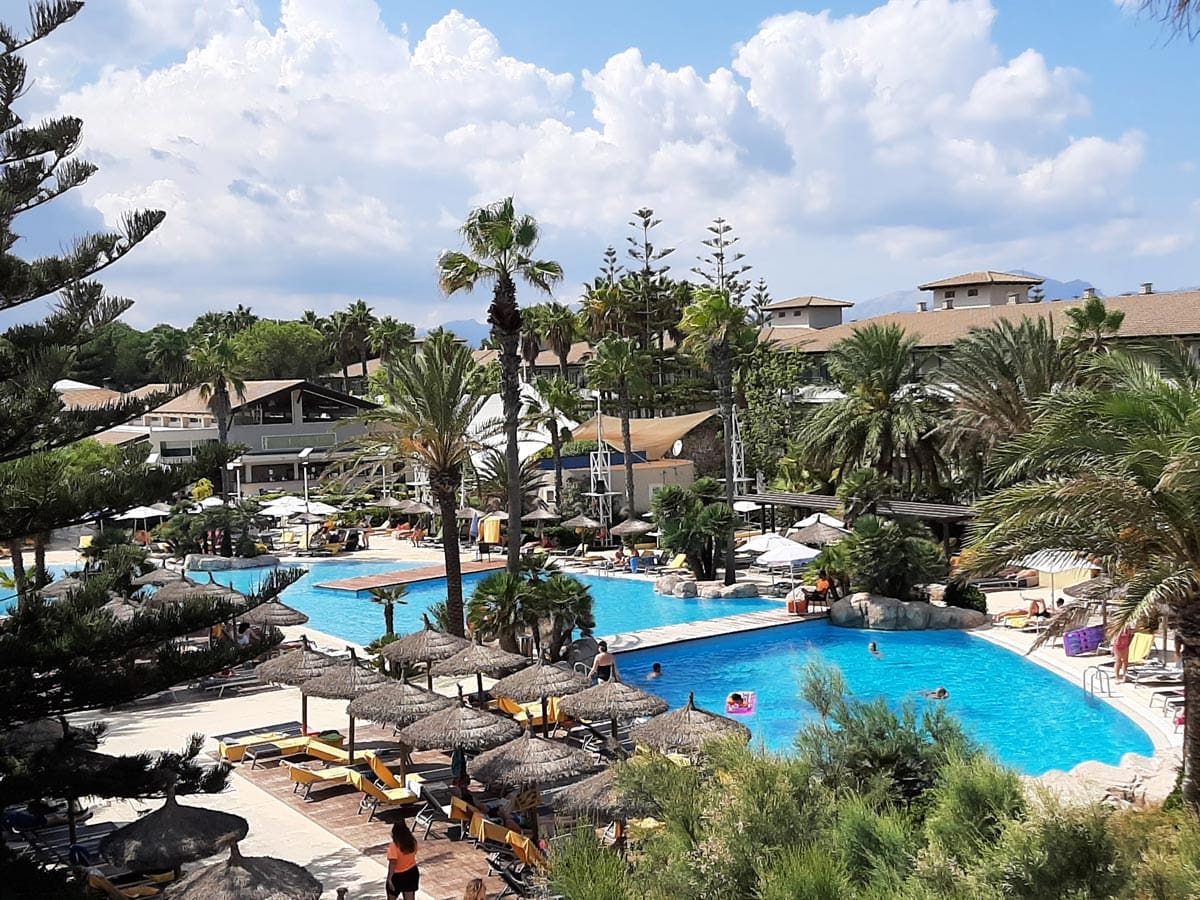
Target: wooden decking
point(691, 631)
point(407, 576)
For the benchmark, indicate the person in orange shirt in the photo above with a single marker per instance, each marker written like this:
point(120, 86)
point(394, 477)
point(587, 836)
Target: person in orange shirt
point(404, 878)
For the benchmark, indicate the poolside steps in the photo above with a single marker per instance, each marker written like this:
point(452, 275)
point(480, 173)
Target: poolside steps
point(407, 576)
point(691, 631)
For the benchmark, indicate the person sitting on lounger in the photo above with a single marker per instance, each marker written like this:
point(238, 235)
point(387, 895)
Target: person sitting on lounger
point(1036, 608)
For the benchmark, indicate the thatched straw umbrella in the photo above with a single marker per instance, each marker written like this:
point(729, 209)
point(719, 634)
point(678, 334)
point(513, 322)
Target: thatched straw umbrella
point(581, 521)
point(480, 659)
point(818, 534)
point(539, 683)
point(389, 503)
point(62, 587)
point(600, 796)
point(345, 681)
point(613, 700)
point(156, 577)
point(183, 590)
point(171, 836)
point(122, 610)
point(247, 878)
point(687, 730)
point(530, 761)
point(426, 646)
point(397, 703)
point(631, 528)
point(460, 728)
point(294, 669)
point(274, 614)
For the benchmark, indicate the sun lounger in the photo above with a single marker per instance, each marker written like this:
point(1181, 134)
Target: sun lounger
point(234, 682)
point(232, 747)
point(437, 808)
point(305, 779)
point(276, 749)
point(375, 794)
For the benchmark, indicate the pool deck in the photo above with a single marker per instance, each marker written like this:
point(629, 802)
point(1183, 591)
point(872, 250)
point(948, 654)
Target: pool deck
point(407, 576)
point(693, 631)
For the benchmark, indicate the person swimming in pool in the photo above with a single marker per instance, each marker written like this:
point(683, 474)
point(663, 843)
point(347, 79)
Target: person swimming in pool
point(736, 701)
point(655, 671)
point(874, 650)
point(940, 694)
point(604, 666)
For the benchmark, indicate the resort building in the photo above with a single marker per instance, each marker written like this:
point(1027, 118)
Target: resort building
point(292, 430)
point(1148, 315)
point(980, 289)
point(806, 312)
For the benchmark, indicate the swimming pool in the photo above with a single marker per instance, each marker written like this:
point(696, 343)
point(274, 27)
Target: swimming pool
point(621, 604)
point(1028, 716)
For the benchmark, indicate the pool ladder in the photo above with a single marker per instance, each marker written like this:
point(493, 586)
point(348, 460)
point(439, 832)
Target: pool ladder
point(1093, 676)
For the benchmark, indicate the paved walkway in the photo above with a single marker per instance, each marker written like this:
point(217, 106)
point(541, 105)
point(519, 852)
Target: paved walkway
point(407, 576)
point(691, 631)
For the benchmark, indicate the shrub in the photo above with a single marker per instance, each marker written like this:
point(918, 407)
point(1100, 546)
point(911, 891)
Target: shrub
point(891, 559)
point(963, 595)
point(584, 869)
point(809, 872)
point(970, 806)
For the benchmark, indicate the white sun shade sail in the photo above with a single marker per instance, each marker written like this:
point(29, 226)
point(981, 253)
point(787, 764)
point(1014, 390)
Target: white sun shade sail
point(1054, 561)
point(761, 543)
point(823, 518)
point(793, 555)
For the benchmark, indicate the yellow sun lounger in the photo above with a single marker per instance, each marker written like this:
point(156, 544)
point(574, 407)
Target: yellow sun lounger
point(234, 749)
point(374, 794)
point(304, 779)
point(530, 714)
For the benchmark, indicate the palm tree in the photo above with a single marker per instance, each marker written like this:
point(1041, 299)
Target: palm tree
point(995, 375)
point(559, 328)
point(238, 320)
point(531, 339)
point(556, 405)
point(491, 472)
point(567, 603)
point(717, 336)
point(500, 607)
point(388, 597)
point(390, 336)
point(429, 416)
point(885, 411)
point(169, 352)
point(360, 321)
point(500, 246)
point(1111, 470)
point(620, 367)
point(217, 370)
point(340, 332)
point(1092, 324)
point(312, 320)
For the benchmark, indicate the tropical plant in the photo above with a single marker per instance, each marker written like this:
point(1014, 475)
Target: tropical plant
point(606, 308)
point(759, 299)
point(722, 267)
point(388, 597)
point(694, 521)
point(554, 407)
point(891, 558)
point(531, 339)
point(341, 334)
point(649, 287)
point(718, 338)
point(494, 482)
point(169, 352)
point(429, 418)
point(499, 608)
point(564, 603)
point(500, 246)
point(218, 372)
point(389, 336)
point(621, 368)
point(861, 491)
point(360, 320)
point(1111, 470)
point(559, 328)
point(886, 414)
point(1092, 324)
point(994, 375)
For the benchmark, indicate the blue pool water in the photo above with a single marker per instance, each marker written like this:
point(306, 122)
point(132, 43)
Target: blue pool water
point(621, 604)
point(1028, 716)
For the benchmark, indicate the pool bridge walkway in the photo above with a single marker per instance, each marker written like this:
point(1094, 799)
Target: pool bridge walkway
point(693, 631)
point(407, 576)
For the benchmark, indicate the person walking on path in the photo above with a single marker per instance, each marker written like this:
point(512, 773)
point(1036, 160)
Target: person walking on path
point(403, 878)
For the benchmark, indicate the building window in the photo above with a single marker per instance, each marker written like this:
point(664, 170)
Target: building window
point(972, 292)
point(271, 473)
point(950, 295)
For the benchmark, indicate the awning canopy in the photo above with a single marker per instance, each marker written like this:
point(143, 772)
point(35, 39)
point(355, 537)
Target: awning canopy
point(1054, 561)
point(946, 512)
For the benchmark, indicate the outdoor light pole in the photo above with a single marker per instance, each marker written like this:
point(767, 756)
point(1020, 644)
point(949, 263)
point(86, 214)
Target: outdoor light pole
point(304, 454)
point(235, 466)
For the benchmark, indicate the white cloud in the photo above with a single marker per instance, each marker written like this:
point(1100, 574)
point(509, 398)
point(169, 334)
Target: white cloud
point(330, 156)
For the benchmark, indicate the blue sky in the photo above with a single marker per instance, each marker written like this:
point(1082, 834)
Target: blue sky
point(309, 153)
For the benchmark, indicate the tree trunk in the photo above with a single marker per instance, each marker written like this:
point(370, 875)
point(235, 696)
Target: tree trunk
point(39, 560)
point(1189, 632)
point(510, 395)
point(445, 489)
point(345, 377)
point(724, 377)
point(562, 364)
point(389, 618)
point(20, 582)
point(221, 408)
point(556, 452)
point(627, 447)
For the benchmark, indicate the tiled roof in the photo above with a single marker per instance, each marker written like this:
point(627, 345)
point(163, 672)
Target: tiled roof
point(190, 401)
point(121, 435)
point(1146, 315)
point(802, 302)
point(88, 398)
point(988, 277)
point(580, 352)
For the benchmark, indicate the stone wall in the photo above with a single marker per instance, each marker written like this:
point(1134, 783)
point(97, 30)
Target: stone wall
point(679, 586)
point(889, 614)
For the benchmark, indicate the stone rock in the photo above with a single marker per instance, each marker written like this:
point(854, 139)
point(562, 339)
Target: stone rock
point(200, 562)
point(708, 591)
point(684, 589)
point(666, 584)
point(740, 590)
point(889, 614)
